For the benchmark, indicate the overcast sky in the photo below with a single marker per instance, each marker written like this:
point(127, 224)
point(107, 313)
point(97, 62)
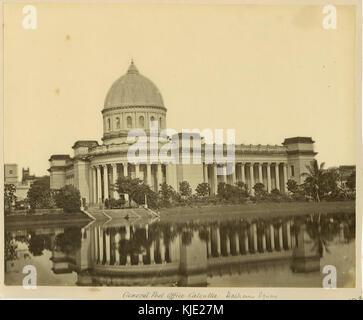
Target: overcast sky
point(269, 72)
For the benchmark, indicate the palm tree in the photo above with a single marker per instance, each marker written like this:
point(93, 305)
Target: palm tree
point(314, 178)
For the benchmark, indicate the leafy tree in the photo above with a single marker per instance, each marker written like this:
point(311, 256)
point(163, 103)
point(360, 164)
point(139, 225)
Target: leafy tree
point(292, 186)
point(243, 188)
point(39, 194)
point(314, 180)
point(69, 199)
point(184, 189)
point(38, 243)
point(203, 189)
point(127, 185)
point(167, 194)
point(70, 241)
point(259, 190)
point(9, 196)
point(330, 185)
point(351, 181)
point(136, 189)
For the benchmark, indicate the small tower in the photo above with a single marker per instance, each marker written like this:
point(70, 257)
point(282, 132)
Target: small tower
point(300, 153)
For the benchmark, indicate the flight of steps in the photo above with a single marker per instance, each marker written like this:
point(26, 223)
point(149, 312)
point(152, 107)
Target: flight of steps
point(129, 213)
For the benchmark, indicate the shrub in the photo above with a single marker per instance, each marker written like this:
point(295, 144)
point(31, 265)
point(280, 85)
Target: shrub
point(203, 189)
point(115, 203)
point(167, 194)
point(184, 189)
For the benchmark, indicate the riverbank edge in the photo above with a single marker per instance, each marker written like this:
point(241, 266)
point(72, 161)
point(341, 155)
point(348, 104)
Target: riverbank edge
point(47, 218)
point(258, 210)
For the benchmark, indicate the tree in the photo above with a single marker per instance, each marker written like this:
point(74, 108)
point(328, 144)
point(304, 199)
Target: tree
point(126, 185)
point(184, 189)
point(296, 190)
point(259, 189)
point(292, 186)
point(351, 181)
point(203, 189)
point(167, 194)
point(137, 190)
point(314, 180)
point(9, 196)
point(39, 194)
point(69, 199)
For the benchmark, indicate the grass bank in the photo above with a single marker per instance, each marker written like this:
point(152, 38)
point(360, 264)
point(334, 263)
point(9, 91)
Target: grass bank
point(261, 210)
point(46, 219)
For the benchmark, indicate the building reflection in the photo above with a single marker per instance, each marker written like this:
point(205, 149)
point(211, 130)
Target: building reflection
point(124, 253)
point(187, 254)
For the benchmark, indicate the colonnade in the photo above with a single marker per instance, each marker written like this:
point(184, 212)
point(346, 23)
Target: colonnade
point(273, 175)
point(105, 175)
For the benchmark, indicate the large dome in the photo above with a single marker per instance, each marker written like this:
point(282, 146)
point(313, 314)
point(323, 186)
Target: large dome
point(133, 90)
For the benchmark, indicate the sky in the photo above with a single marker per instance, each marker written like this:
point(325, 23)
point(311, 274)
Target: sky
point(269, 72)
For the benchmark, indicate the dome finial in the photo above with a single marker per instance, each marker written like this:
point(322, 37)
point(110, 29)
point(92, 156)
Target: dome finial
point(132, 68)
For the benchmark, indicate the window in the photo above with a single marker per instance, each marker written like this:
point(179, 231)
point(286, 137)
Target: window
point(292, 171)
point(160, 122)
point(108, 124)
point(141, 122)
point(118, 123)
point(129, 122)
point(152, 118)
point(10, 171)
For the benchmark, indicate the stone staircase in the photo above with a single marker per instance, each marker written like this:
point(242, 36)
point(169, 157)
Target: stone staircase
point(116, 214)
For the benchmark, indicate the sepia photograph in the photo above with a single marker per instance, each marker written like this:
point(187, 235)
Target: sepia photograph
point(214, 146)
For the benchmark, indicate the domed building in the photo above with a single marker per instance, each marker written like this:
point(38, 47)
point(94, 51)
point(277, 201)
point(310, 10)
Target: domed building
point(134, 102)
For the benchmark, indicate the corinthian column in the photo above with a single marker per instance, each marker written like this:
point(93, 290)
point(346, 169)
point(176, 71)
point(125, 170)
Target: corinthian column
point(99, 184)
point(148, 174)
point(105, 181)
point(224, 173)
point(285, 177)
point(160, 176)
point(94, 185)
point(277, 172)
point(124, 166)
point(234, 174)
point(268, 177)
point(260, 180)
point(114, 178)
point(137, 171)
point(243, 172)
point(215, 178)
point(252, 178)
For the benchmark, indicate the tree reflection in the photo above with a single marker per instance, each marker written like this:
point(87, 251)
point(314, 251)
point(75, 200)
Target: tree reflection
point(69, 241)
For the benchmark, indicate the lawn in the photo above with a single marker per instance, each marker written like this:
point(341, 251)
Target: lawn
point(261, 210)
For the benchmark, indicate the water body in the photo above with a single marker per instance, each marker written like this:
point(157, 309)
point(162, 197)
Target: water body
point(277, 252)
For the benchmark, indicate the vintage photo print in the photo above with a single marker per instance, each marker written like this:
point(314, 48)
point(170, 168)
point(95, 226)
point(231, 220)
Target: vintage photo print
point(178, 150)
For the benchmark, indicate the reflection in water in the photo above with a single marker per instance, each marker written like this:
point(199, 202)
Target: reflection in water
point(180, 254)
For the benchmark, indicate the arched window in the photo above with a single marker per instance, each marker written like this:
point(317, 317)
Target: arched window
point(152, 118)
point(118, 123)
point(109, 124)
point(141, 122)
point(160, 122)
point(129, 122)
